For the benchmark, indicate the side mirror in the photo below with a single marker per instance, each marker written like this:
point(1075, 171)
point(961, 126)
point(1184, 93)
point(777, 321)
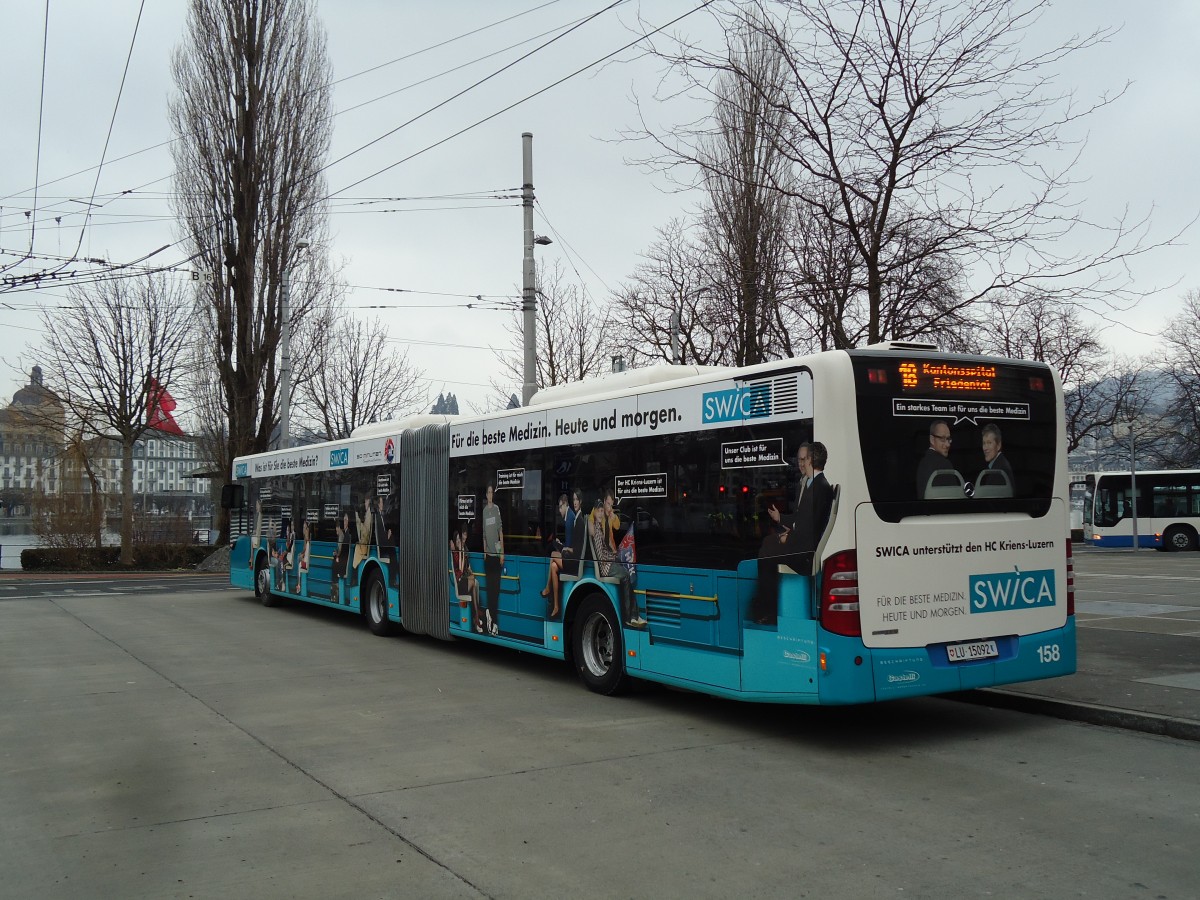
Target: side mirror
point(233, 496)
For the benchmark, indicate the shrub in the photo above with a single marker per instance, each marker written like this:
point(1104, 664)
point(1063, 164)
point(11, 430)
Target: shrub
point(153, 557)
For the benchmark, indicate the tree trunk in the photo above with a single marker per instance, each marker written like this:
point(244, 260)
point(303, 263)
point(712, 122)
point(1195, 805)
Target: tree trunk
point(127, 499)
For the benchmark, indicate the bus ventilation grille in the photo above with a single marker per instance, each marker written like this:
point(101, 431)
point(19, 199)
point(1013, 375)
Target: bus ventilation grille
point(785, 393)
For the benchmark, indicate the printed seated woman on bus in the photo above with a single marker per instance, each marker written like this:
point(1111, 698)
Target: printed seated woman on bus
point(465, 583)
point(256, 536)
point(305, 556)
point(341, 557)
point(604, 527)
point(365, 525)
point(553, 590)
point(283, 555)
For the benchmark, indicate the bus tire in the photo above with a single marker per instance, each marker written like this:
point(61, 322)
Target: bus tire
point(1179, 537)
point(262, 582)
point(375, 606)
point(598, 650)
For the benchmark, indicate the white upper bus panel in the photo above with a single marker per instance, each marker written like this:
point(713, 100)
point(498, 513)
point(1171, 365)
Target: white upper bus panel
point(617, 411)
point(617, 382)
point(398, 426)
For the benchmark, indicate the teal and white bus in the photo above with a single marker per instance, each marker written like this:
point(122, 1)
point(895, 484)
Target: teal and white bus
point(1168, 509)
point(654, 493)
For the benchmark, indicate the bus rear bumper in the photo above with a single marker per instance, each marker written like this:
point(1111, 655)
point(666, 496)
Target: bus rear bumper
point(854, 674)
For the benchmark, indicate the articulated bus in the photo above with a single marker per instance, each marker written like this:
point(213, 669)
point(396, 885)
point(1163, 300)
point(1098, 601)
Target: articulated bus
point(1168, 509)
point(632, 526)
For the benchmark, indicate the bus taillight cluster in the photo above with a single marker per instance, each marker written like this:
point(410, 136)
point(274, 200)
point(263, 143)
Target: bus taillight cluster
point(839, 594)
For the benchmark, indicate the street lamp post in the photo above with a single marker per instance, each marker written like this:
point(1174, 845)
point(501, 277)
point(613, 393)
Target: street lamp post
point(1133, 497)
point(528, 288)
point(1133, 480)
point(285, 366)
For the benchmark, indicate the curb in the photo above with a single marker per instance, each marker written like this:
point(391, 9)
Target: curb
point(1078, 711)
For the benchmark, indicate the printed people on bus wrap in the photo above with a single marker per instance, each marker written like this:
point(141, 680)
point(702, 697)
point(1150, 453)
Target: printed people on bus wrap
point(305, 556)
point(256, 537)
point(814, 502)
point(465, 583)
point(605, 525)
point(287, 556)
point(493, 560)
point(577, 532)
point(341, 557)
point(936, 458)
point(279, 557)
point(993, 455)
point(557, 548)
point(364, 527)
point(385, 538)
point(798, 535)
point(765, 600)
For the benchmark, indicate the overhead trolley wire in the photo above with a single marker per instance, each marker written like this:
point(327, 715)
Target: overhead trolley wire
point(524, 99)
point(37, 163)
point(111, 122)
point(471, 87)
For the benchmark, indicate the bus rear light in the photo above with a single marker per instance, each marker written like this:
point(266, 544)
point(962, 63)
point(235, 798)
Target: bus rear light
point(1070, 579)
point(839, 594)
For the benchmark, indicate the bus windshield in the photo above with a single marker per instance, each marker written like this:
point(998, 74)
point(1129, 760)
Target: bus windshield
point(955, 434)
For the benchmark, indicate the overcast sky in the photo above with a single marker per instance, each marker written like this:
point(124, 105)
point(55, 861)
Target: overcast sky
point(600, 210)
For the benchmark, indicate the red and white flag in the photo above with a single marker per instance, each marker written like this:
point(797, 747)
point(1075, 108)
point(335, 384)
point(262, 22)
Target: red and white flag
point(159, 406)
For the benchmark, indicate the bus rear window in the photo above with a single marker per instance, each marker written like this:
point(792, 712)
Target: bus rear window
point(943, 434)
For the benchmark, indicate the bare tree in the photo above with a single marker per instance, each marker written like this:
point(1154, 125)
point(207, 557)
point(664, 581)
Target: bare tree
point(673, 287)
point(1182, 344)
point(354, 378)
point(106, 348)
point(1096, 386)
point(739, 238)
point(571, 343)
point(746, 216)
point(252, 122)
point(894, 119)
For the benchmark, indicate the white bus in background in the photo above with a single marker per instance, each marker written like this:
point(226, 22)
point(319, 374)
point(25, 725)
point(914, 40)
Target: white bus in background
point(1168, 509)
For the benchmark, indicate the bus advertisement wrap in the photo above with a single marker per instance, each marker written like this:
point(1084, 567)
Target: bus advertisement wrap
point(991, 578)
point(848, 527)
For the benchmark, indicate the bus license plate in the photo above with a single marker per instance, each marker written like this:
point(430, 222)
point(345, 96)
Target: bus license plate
point(973, 650)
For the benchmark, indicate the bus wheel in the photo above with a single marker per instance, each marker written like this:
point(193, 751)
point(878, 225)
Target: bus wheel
point(375, 607)
point(1179, 538)
point(262, 583)
point(598, 648)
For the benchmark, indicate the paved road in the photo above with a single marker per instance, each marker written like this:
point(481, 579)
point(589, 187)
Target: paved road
point(191, 743)
point(24, 587)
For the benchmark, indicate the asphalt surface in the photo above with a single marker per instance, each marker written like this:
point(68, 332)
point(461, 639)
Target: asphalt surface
point(1138, 633)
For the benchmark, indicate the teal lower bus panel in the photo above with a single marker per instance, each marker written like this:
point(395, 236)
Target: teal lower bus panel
point(703, 667)
point(912, 672)
point(1047, 654)
point(919, 671)
point(846, 674)
point(241, 570)
point(781, 660)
